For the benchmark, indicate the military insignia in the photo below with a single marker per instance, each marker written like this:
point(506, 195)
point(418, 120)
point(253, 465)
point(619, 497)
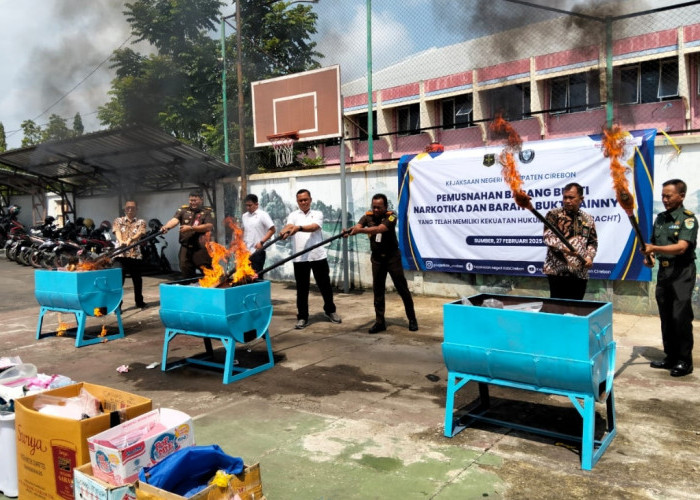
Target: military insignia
point(489, 159)
point(689, 223)
point(526, 155)
point(392, 218)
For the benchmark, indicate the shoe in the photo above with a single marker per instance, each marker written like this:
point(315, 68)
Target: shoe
point(681, 369)
point(377, 327)
point(142, 305)
point(412, 325)
point(333, 317)
point(665, 364)
point(301, 323)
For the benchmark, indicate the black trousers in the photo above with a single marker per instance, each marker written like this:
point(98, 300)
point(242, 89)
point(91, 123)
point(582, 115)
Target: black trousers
point(257, 260)
point(133, 267)
point(566, 287)
point(381, 266)
point(674, 290)
point(302, 275)
point(192, 259)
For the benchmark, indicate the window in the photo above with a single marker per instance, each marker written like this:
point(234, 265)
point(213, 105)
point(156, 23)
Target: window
point(511, 102)
point(408, 119)
point(362, 126)
point(573, 93)
point(457, 112)
point(649, 81)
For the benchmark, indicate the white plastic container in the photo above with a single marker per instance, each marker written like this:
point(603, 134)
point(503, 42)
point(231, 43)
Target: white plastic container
point(8, 456)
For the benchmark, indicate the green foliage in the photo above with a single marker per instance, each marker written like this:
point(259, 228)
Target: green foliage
point(32, 133)
point(3, 139)
point(178, 89)
point(307, 161)
point(56, 129)
point(78, 128)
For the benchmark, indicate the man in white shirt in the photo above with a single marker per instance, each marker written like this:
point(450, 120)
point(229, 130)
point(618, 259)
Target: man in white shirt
point(304, 228)
point(257, 229)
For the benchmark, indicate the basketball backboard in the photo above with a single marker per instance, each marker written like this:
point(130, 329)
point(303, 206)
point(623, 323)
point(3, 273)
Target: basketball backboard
point(307, 103)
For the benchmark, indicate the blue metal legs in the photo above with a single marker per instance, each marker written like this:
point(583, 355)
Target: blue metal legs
point(591, 448)
point(231, 371)
point(80, 318)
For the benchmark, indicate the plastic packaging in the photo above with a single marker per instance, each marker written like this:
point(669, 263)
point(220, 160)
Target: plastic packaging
point(15, 374)
point(466, 301)
point(494, 303)
point(79, 407)
point(525, 306)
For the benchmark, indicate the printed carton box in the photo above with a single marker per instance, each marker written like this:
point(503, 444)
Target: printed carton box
point(50, 447)
point(87, 487)
point(118, 454)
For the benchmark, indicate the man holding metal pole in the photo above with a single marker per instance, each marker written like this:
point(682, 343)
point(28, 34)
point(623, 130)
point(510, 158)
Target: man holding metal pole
point(380, 225)
point(673, 243)
point(258, 228)
point(304, 226)
point(128, 230)
point(567, 270)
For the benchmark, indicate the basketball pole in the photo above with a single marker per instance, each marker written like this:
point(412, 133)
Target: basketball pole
point(344, 207)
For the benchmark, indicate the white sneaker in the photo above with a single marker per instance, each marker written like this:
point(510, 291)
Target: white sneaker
point(333, 317)
point(301, 323)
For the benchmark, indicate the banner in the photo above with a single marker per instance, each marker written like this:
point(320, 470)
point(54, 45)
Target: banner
point(457, 215)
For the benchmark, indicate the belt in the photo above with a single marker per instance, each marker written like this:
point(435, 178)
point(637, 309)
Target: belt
point(664, 263)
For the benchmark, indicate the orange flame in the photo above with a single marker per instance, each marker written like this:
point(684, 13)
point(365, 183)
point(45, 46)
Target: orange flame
point(614, 148)
point(98, 312)
point(62, 327)
point(103, 332)
point(509, 169)
point(237, 249)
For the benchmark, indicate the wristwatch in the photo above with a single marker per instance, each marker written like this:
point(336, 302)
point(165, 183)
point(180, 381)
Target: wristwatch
point(301, 229)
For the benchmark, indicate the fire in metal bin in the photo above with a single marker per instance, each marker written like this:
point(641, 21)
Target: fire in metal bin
point(83, 293)
point(235, 314)
point(566, 349)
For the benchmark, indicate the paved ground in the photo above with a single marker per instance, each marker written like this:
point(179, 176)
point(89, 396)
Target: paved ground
point(344, 414)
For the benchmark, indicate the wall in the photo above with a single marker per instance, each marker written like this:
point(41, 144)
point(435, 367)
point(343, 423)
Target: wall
point(277, 194)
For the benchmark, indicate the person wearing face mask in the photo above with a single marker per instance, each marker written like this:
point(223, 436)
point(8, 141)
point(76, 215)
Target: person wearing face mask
point(567, 272)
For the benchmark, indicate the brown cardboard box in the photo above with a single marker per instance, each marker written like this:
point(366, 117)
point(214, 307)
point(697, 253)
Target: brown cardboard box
point(88, 487)
point(49, 447)
point(247, 484)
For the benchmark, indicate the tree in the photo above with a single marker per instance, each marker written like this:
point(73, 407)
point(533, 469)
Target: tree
point(32, 133)
point(78, 128)
point(56, 129)
point(178, 89)
point(3, 139)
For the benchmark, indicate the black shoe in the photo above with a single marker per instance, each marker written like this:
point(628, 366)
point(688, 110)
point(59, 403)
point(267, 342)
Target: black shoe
point(665, 364)
point(142, 305)
point(377, 327)
point(413, 325)
point(681, 369)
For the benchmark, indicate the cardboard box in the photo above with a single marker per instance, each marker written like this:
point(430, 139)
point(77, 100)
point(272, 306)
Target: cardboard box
point(87, 487)
point(118, 454)
point(49, 447)
point(247, 484)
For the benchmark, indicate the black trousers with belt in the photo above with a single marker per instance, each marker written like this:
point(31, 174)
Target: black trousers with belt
point(322, 276)
point(381, 266)
point(674, 290)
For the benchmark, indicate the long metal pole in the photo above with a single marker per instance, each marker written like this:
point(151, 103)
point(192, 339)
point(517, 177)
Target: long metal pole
point(344, 211)
point(241, 129)
point(609, 110)
point(370, 118)
point(302, 252)
point(223, 86)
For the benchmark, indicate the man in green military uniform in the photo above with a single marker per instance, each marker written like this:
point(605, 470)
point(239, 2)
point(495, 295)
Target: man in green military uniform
point(673, 244)
point(196, 222)
point(379, 224)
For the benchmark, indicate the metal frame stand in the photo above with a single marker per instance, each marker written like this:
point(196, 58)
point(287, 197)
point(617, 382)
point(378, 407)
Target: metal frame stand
point(232, 373)
point(80, 318)
point(591, 448)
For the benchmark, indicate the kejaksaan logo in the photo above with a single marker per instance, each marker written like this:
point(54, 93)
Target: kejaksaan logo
point(428, 264)
point(469, 266)
point(531, 269)
point(527, 155)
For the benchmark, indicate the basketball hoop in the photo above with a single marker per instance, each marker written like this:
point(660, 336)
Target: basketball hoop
point(283, 144)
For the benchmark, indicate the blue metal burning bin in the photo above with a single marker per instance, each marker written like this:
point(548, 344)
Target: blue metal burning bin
point(566, 349)
point(236, 314)
point(83, 293)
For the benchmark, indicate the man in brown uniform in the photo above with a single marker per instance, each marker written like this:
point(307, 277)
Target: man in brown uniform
point(380, 225)
point(196, 222)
